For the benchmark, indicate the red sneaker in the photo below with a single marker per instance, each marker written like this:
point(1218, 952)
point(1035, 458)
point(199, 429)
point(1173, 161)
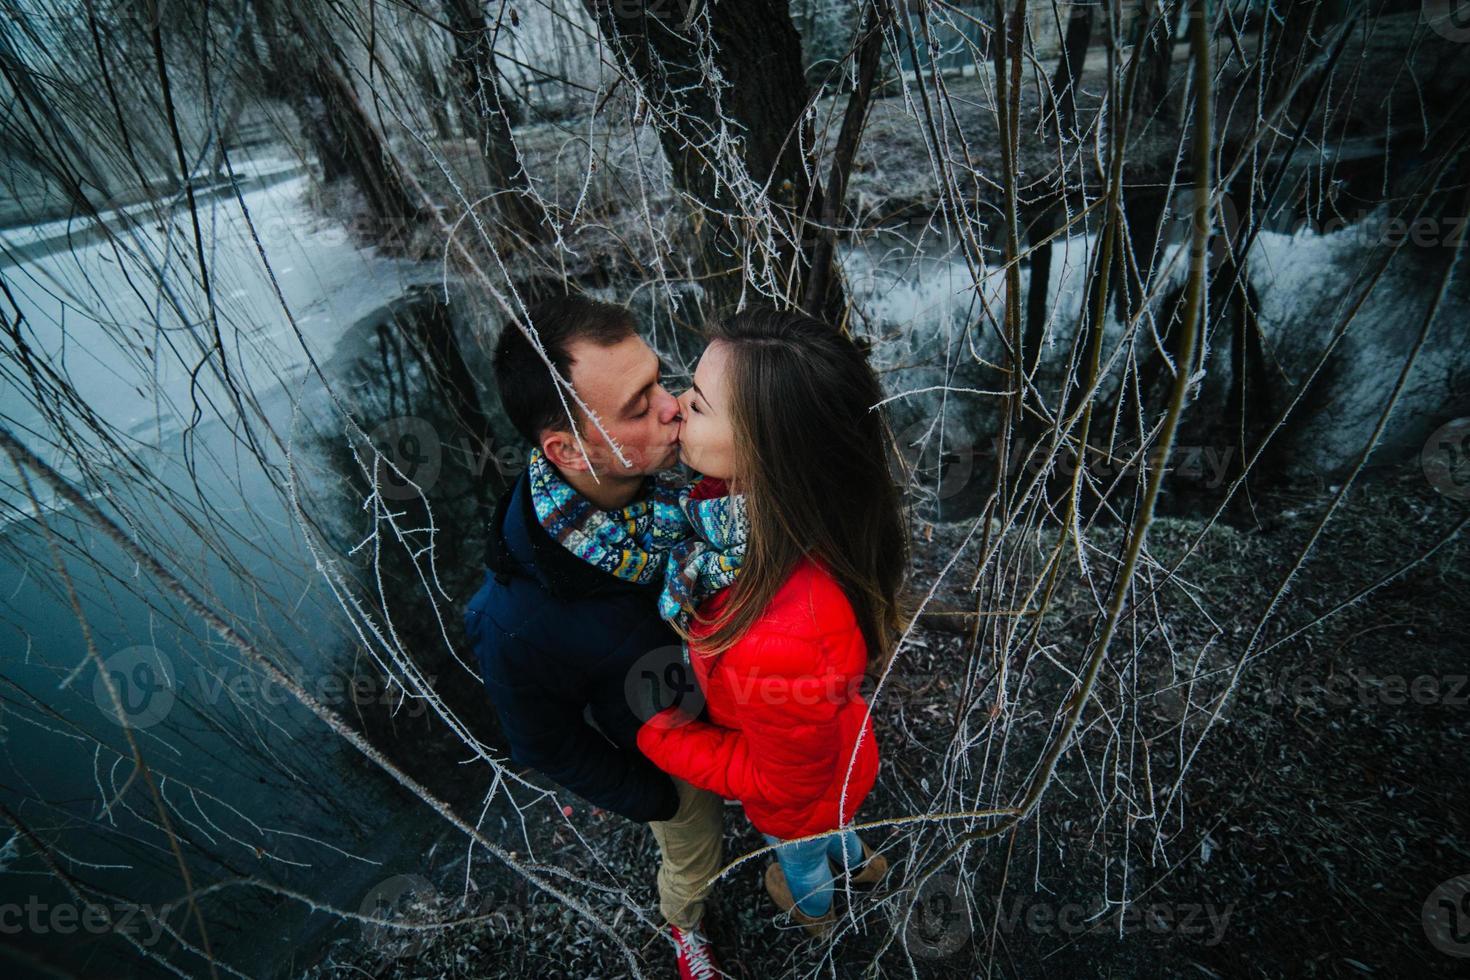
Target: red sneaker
point(696, 958)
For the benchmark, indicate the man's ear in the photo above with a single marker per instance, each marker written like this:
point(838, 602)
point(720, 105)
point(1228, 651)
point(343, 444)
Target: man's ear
point(561, 449)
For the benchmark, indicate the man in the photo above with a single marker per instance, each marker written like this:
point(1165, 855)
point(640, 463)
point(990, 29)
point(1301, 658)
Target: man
point(566, 625)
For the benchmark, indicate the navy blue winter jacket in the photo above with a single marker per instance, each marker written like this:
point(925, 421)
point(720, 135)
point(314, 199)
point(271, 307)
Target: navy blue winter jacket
point(561, 644)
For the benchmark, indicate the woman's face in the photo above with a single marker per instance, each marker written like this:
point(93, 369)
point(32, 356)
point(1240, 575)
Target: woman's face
point(707, 435)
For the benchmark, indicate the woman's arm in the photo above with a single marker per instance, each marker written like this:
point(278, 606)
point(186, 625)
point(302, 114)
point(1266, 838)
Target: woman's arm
point(695, 751)
point(786, 746)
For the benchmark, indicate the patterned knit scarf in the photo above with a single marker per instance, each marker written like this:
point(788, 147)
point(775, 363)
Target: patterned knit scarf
point(630, 543)
point(709, 560)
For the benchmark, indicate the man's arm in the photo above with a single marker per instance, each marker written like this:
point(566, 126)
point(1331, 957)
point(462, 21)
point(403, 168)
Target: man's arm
point(547, 731)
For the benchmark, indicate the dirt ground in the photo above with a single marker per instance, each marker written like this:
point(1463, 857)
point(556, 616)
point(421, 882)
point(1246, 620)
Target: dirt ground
point(1314, 826)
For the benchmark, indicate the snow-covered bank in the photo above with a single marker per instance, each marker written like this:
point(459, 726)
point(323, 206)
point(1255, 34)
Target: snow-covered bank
point(131, 329)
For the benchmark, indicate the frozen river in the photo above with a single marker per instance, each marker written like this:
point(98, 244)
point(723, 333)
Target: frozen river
point(254, 788)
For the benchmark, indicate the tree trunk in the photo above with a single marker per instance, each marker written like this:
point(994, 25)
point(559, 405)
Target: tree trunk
point(751, 131)
point(1142, 210)
point(1156, 48)
point(1044, 223)
point(823, 288)
point(1064, 81)
point(428, 80)
point(302, 71)
point(486, 110)
point(48, 124)
point(1291, 49)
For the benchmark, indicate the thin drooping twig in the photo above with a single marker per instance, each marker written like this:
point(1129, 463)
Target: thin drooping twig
point(1183, 379)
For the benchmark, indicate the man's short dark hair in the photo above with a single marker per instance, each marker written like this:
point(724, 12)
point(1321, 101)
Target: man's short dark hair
point(526, 388)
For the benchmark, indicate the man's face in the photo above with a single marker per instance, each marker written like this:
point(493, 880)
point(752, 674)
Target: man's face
point(621, 384)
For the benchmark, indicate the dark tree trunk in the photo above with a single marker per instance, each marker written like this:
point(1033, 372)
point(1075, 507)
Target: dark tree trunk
point(1290, 46)
point(823, 288)
point(302, 71)
point(226, 132)
point(428, 80)
point(1064, 81)
point(755, 48)
point(73, 166)
point(359, 146)
point(1156, 48)
point(435, 332)
point(1142, 210)
point(1248, 404)
point(486, 112)
point(1042, 225)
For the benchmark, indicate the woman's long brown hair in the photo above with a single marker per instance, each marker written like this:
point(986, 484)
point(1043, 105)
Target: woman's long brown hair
point(815, 461)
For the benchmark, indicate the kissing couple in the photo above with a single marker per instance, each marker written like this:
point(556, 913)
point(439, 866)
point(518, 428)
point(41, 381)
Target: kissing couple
point(774, 578)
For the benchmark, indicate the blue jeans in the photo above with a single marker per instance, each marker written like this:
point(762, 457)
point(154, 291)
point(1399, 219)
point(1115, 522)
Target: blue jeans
point(808, 871)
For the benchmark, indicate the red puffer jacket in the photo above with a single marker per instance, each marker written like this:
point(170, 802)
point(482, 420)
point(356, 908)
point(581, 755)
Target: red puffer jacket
point(785, 713)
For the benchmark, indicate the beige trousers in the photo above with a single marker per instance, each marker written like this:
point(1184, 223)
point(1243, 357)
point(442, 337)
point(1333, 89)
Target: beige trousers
point(691, 848)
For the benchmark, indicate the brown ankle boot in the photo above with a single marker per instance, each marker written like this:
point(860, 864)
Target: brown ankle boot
point(869, 873)
point(780, 893)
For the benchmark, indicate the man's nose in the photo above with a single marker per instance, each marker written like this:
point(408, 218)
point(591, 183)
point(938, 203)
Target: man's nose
point(669, 407)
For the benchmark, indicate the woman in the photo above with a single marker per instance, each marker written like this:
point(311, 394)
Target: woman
point(787, 593)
